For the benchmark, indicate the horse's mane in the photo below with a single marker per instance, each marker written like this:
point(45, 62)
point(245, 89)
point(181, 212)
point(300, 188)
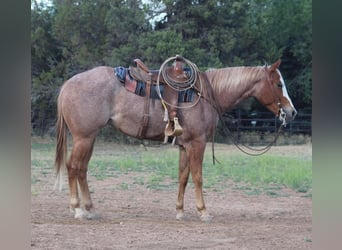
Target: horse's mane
point(232, 77)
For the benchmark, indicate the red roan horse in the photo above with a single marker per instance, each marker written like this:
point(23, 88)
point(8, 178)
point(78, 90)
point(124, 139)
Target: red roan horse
point(92, 99)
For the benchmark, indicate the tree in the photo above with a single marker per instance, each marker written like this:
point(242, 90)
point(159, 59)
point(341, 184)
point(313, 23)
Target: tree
point(126, 25)
point(289, 27)
point(71, 36)
point(45, 69)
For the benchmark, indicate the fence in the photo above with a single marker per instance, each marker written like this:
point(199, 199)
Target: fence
point(238, 121)
point(258, 128)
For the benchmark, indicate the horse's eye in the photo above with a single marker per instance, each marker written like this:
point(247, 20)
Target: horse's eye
point(280, 85)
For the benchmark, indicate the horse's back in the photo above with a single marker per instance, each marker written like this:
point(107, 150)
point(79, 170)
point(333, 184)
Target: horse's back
point(85, 100)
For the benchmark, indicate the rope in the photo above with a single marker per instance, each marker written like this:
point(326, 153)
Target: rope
point(180, 85)
point(260, 151)
point(214, 102)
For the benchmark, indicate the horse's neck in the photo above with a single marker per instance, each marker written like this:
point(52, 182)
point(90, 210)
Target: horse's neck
point(233, 85)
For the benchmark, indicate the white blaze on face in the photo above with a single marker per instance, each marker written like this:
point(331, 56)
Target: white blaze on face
point(285, 94)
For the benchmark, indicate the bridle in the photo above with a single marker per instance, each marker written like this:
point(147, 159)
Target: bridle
point(256, 151)
point(282, 114)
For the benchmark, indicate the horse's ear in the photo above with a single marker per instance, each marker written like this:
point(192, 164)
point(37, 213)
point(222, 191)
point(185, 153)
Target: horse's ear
point(275, 65)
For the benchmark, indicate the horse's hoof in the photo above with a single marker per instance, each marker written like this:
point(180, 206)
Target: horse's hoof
point(180, 216)
point(92, 216)
point(84, 214)
point(206, 218)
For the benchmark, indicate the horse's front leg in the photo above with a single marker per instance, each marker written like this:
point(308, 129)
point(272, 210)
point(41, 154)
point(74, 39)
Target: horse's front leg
point(195, 155)
point(183, 177)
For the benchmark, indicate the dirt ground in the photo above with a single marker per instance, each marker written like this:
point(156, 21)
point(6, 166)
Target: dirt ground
point(143, 218)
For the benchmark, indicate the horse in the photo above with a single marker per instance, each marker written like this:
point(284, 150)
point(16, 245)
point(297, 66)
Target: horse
point(92, 99)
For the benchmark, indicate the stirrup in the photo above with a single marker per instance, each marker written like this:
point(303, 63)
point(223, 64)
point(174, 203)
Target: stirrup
point(175, 130)
point(178, 129)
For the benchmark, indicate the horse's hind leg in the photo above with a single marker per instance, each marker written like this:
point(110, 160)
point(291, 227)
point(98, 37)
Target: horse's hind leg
point(77, 173)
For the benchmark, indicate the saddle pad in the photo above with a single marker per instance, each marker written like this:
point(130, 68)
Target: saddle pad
point(134, 86)
point(120, 73)
point(139, 87)
point(186, 95)
point(130, 84)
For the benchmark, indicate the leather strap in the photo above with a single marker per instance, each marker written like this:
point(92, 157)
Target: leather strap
point(144, 124)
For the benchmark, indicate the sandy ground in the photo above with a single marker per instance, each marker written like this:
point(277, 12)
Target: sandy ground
point(143, 218)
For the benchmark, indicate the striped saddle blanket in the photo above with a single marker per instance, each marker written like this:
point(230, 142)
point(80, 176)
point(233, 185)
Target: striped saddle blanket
point(139, 87)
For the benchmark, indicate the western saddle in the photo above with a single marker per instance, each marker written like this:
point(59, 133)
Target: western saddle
point(176, 72)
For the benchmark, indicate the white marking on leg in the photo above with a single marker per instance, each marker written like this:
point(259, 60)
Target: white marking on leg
point(79, 213)
point(180, 215)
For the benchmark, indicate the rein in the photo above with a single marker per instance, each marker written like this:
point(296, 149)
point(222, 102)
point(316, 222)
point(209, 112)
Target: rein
point(242, 147)
point(257, 151)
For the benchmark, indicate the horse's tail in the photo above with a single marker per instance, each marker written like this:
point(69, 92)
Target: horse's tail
point(61, 147)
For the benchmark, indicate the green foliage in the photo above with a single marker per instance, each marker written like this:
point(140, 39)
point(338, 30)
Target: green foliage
point(160, 45)
point(72, 36)
point(263, 171)
point(290, 30)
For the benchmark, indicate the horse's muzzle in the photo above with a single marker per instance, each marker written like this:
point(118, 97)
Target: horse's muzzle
point(287, 114)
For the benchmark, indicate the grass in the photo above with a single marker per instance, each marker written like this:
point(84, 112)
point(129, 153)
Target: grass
point(263, 172)
point(157, 168)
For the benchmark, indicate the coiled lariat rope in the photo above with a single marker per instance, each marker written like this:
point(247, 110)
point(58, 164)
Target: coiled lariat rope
point(179, 85)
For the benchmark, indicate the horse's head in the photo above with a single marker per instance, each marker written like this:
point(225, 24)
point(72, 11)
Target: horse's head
point(273, 94)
